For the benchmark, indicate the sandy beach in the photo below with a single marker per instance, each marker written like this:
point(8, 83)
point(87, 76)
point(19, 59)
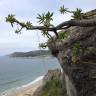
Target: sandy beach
point(29, 91)
point(25, 90)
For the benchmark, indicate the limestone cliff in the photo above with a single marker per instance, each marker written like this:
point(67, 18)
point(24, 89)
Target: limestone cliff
point(52, 84)
point(77, 56)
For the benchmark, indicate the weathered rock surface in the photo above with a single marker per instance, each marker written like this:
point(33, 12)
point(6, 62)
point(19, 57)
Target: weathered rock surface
point(77, 56)
point(50, 75)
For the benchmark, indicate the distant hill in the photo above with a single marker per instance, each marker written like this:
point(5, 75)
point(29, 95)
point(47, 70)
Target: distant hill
point(31, 53)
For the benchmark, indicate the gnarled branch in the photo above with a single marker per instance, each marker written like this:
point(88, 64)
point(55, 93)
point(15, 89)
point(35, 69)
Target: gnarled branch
point(81, 23)
point(63, 25)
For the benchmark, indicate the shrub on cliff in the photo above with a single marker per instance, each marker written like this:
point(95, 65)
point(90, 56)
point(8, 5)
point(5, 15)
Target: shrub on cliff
point(53, 87)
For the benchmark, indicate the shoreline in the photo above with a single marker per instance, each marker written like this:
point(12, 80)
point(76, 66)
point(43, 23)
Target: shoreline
point(25, 90)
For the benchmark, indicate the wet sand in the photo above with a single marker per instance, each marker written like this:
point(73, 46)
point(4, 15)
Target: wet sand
point(28, 91)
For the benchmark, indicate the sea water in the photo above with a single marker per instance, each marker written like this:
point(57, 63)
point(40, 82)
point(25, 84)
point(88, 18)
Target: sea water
point(16, 72)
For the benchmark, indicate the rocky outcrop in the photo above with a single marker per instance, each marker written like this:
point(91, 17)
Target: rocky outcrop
point(77, 56)
point(51, 74)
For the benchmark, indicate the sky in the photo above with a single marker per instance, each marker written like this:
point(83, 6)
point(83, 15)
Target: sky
point(27, 10)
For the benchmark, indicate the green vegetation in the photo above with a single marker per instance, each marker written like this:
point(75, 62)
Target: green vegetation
point(43, 45)
point(78, 14)
point(44, 20)
point(53, 88)
point(62, 35)
point(63, 10)
point(75, 48)
point(31, 53)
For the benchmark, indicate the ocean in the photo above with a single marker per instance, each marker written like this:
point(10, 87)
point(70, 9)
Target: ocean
point(16, 72)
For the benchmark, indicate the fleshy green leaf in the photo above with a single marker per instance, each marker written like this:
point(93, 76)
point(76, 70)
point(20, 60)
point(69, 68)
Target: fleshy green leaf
point(63, 9)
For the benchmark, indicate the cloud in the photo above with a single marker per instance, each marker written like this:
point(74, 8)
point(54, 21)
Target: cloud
point(27, 10)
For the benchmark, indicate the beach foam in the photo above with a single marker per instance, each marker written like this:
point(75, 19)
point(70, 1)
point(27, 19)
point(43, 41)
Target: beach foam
point(15, 91)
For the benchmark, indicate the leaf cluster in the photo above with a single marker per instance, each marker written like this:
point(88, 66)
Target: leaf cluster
point(29, 25)
point(43, 45)
point(77, 14)
point(45, 18)
point(63, 10)
point(10, 19)
point(62, 35)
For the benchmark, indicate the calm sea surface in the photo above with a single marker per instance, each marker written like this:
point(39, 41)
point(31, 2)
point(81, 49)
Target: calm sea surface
point(15, 72)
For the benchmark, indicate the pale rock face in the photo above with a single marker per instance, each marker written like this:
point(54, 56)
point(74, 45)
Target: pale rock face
point(80, 76)
point(71, 91)
point(50, 74)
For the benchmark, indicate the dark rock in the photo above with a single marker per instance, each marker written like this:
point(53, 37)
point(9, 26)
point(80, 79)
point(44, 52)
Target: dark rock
point(79, 65)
